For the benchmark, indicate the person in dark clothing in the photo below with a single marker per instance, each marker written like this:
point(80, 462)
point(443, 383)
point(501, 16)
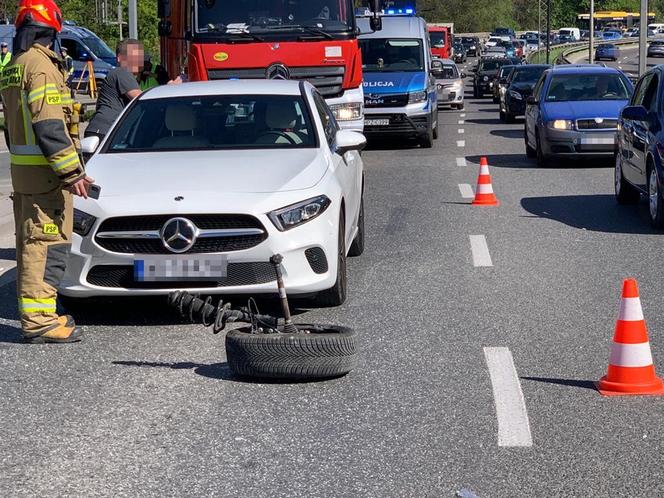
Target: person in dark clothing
point(118, 88)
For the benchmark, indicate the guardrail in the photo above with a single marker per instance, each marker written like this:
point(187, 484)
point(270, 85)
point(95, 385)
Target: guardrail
point(562, 51)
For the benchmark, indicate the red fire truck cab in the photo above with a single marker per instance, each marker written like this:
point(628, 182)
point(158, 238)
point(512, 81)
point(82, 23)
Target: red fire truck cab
point(312, 40)
point(441, 40)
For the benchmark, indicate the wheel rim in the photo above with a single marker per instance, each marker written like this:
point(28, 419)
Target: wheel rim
point(618, 173)
point(653, 192)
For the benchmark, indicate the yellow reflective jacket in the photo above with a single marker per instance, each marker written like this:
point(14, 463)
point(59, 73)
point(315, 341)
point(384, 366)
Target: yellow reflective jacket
point(38, 110)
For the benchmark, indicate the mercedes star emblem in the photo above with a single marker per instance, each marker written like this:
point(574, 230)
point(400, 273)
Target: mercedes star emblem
point(277, 72)
point(179, 235)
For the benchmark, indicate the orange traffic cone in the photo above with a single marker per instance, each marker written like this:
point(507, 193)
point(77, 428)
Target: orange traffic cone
point(484, 195)
point(631, 370)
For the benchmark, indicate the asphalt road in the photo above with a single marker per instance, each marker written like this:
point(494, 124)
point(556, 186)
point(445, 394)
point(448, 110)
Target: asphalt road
point(146, 406)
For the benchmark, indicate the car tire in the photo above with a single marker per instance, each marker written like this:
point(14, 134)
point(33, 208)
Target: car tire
point(460, 107)
point(476, 93)
point(426, 140)
point(501, 115)
point(336, 295)
point(509, 118)
point(542, 159)
point(357, 247)
point(324, 351)
point(435, 129)
point(530, 152)
point(626, 193)
point(655, 201)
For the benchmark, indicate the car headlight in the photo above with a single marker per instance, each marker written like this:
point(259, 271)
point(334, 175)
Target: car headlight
point(472, 47)
point(561, 124)
point(416, 97)
point(83, 222)
point(296, 214)
point(486, 78)
point(516, 95)
point(348, 111)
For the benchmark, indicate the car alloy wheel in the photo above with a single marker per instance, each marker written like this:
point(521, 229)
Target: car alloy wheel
point(626, 193)
point(655, 200)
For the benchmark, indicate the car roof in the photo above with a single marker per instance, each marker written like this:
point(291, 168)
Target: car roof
point(394, 27)
point(582, 69)
point(224, 87)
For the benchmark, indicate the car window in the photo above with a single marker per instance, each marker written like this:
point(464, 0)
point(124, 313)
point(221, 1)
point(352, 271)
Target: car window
point(641, 87)
point(650, 96)
point(398, 54)
point(329, 123)
point(215, 122)
point(538, 87)
point(587, 86)
point(74, 48)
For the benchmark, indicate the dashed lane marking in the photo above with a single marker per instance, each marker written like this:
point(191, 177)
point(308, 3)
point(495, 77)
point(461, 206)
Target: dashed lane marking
point(461, 131)
point(461, 161)
point(461, 121)
point(466, 191)
point(513, 423)
point(461, 143)
point(480, 250)
point(462, 115)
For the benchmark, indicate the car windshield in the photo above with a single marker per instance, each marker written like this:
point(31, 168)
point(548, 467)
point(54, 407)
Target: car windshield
point(525, 74)
point(269, 16)
point(448, 72)
point(213, 123)
point(437, 39)
point(468, 41)
point(490, 65)
point(99, 48)
point(580, 87)
point(399, 54)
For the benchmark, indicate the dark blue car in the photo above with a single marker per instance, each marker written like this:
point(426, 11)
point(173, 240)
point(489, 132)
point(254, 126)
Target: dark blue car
point(607, 51)
point(574, 112)
point(638, 166)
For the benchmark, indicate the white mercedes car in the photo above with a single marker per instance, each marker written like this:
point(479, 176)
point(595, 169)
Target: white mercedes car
point(201, 183)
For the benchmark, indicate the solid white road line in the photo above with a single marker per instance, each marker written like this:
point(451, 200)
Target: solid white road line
point(480, 250)
point(461, 161)
point(513, 424)
point(466, 191)
point(461, 143)
point(461, 131)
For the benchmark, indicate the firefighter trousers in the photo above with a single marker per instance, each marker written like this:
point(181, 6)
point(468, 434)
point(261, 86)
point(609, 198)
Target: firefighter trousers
point(44, 225)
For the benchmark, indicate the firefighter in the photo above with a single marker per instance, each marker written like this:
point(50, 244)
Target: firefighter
point(5, 55)
point(45, 169)
point(69, 63)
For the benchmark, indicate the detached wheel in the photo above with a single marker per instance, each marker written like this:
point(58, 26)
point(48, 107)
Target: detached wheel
point(625, 191)
point(336, 295)
point(655, 201)
point(316, 352)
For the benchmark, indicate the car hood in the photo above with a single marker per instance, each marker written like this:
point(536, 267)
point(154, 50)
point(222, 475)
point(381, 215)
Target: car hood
point(394, 82)
point(584, 109)
point(201, 172)
point(442, 81)
point(524, 89)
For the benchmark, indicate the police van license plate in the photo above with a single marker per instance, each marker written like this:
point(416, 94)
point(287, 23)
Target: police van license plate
point(376, 122)
point(180, 268)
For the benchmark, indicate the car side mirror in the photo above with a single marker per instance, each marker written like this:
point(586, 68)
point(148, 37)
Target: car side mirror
point(89, 144)
point(347, 141)
point(376, 23)
point(532, 100)
point(464, 75)
point(635, 113)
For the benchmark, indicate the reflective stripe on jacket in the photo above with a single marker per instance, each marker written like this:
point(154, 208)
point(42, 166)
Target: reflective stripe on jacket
point(38, 110)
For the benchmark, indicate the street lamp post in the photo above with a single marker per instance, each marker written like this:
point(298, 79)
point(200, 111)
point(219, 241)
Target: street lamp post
point(591, 33)
point(548, 31)
point(643, 36)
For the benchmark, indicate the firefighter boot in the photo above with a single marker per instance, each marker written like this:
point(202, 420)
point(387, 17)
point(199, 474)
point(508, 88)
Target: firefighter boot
point(62, 333)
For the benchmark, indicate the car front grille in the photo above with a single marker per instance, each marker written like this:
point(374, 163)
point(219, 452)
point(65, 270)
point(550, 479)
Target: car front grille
point(238, 274)
point(375, 101)
point(327, 79)
point(155, 223)
point(591, 124)
point(398, 123)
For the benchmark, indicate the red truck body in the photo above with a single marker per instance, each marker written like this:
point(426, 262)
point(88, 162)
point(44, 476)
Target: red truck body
point(441, 41)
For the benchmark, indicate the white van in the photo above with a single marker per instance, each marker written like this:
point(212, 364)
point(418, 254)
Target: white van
point(657, 28)
point(573, 32)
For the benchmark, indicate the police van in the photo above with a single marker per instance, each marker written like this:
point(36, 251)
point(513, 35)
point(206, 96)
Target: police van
point(82, 46)
point(400, 97)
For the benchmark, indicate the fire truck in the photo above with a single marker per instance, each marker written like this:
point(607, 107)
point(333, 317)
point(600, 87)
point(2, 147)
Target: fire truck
point(310, 40)
point(442, 39)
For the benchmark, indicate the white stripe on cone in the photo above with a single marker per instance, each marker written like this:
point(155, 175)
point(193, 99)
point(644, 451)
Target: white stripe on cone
point(484, 188)
point(484, 169)
point(630, 355)
point(630, 309)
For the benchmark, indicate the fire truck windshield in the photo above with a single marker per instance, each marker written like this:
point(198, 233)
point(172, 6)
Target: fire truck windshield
point(228, 17)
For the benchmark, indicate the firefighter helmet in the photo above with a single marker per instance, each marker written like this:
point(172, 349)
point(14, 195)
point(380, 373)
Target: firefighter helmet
point(39, 13)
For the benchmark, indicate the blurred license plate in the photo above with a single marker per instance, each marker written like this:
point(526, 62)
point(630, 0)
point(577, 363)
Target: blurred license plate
point(377, 122)
point(179, 268)
point(597, 141)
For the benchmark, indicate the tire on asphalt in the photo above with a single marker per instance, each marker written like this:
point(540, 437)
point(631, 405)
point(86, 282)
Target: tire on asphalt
point(435, 129)
point(542, 159)
point(501, 115)
point(426, 140)
point(655, 211)
point(509, 118)
point(336, 295)
point(626, 193)
point(325, 351)
point(530, 152)
point(357, 247)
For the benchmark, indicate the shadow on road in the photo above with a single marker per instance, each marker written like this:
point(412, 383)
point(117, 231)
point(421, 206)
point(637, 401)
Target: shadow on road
point(599, 213)
point(585, 384)
point(505, 161)
point(487, 121)
point(10, 335)
point(508, 133)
